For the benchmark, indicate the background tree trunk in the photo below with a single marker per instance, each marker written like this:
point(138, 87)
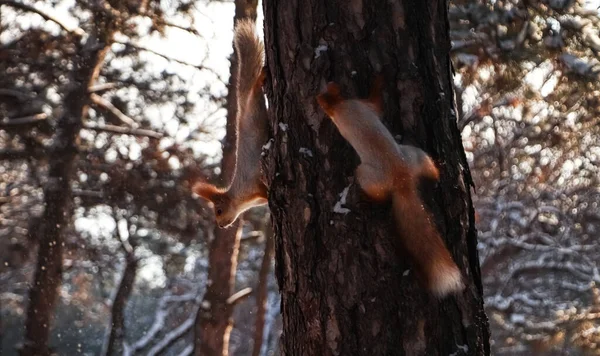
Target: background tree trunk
point(57, 194)
point(344, 289)
point(262, 289)
point(214, 322)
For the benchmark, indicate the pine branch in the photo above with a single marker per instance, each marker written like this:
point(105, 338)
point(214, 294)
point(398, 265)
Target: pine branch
point(24, 7)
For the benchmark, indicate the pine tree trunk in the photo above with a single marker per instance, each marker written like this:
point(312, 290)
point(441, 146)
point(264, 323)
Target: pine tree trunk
point(262, 290)
point(214, 320)
point(62, 153)
point(345, 290)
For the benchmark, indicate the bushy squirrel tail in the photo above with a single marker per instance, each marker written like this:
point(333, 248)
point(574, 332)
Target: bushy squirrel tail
point(431, 259)
point(250, 51)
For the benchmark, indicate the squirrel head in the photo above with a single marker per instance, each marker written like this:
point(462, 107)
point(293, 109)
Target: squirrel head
point(224, 209)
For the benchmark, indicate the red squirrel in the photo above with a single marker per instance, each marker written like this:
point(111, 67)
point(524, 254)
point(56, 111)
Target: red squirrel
point(391, 171)
point(246, 189)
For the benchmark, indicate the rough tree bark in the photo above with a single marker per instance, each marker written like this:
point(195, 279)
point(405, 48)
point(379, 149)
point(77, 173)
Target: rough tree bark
point(57, 190)
point(213, 322)
point(344, 289)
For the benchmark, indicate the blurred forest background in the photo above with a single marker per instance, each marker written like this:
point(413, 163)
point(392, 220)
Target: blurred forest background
point(139, 90)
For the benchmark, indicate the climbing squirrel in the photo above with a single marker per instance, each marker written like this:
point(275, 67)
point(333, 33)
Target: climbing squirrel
point(391, 171)
point(246, 189)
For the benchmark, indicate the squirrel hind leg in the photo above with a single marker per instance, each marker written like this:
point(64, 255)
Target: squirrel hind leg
point(429, 170)
point(421, 163)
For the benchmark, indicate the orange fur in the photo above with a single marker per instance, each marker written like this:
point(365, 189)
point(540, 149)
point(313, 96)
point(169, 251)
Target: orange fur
point(330, 98)
point(430, 170)
point(260, 80)
point(390, 171)
point(419, 237)
point(207, 191)
point(422, 165)
point(246, 189)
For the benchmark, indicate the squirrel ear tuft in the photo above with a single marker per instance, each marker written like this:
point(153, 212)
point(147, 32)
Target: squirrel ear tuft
point(333, 89)
point(206, 190)
point(376, 96)
point(330, 98)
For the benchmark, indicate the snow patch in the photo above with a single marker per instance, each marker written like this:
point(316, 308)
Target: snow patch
point(266, 147)
point(463, 348)
point(320, 49)
point(338, 206)
point(517, 319)
point(305, 151)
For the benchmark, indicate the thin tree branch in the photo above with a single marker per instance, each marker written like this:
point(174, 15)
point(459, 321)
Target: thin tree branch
point(90, 126)
point(23, 120)
point(14, 93)
point(172, 337)
point(18, 5)
point(239, 296)
point(107, 105)
point(14, 154)
point(159, 322)
point(252, 236)
point(123, 130)
point(193, 31)
point(101, 87)
point(87, 193)
point(126, 245)
point(145, 49)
